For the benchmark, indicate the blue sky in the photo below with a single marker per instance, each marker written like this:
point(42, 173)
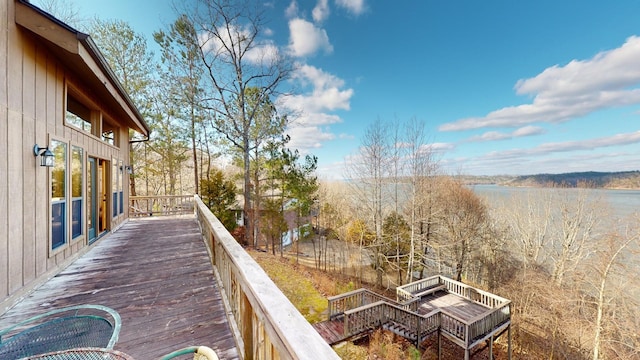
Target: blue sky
point(504, 87)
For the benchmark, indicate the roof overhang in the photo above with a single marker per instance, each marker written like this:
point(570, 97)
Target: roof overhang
point(77, 51)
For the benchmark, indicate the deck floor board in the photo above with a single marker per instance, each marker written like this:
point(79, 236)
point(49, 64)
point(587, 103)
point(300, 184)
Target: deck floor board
point(453, 304)
point(156, 273)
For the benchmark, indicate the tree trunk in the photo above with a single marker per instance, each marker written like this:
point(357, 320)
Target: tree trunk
point(194, 149)
point(248, 215)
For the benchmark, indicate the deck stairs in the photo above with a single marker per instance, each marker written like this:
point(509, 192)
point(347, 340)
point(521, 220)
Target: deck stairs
point(437, 305)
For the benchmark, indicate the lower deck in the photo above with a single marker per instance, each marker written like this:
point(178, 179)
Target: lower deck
point(453, 304)
point(156, 273)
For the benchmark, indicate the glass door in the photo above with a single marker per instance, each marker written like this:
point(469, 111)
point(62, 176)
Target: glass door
point(92, 199)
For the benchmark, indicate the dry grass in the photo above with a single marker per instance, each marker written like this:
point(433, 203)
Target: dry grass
point(306, 288)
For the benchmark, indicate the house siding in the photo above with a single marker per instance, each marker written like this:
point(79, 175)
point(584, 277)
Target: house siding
point(33, 83)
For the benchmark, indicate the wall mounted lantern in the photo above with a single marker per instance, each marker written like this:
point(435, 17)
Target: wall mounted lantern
point(46, 156)
point(126, 168)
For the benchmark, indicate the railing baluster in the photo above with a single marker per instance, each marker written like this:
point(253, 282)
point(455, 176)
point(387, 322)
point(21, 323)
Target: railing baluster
point(256, 303)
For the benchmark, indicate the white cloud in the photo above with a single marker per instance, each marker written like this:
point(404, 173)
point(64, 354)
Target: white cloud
point(567, 146)
point(497, 135)
point(292, 10)
point(316, 118)
point(326, 94)
point(306, 138)
point(556, 157)
point(355, 7)
point(261, 51)
point(529, 131)
point(487, 165)
point(320, 79)
point(561, 93)
point(263, 54)
point(321, 11)
point(440, 147)
point(306, 39)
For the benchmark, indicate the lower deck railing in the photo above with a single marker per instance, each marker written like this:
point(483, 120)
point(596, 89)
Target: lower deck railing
point(268, 325)
point(398, 320)
point(160, 205)
point(364, 310)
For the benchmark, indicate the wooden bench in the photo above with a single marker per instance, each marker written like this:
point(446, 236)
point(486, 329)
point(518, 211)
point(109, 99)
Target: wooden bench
point(430, 291)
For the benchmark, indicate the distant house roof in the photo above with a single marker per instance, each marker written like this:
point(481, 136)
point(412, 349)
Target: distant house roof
point(78, 51)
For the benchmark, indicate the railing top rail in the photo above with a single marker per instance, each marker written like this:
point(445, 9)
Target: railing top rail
point(281, 319)
point(140, 197)
point(448, 314)
point(347, 294)
point(486, 314)
point(461, 284)
point(427, 279)
point(365, 307)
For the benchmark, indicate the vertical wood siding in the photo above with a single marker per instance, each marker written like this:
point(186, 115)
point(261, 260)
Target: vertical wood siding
point(4, 233)
point(32, 100)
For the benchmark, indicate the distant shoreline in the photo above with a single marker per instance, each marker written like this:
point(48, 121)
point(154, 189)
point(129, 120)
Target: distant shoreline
point(627, 180)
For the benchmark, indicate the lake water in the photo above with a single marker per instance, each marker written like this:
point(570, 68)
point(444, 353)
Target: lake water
point(622, 202)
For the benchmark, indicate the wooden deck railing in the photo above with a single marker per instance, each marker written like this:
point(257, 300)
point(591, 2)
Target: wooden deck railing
point(466, 333)
point(398, 320)
point(339, 304)
point(160, 205)
point(268, 325)
point(408, 291)
point(468, 292)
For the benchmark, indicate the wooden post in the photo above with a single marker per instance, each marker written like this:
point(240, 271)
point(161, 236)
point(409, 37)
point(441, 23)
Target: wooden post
point(466, 342)
point(418, 337)
point(439, 345)
point(491, 348)
point(247, 328)
point(509, 340)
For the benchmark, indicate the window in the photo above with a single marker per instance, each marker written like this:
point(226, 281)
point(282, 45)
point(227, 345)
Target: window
point(120, 185)
point(114, 187)
point(108, 137)
point(59, 195)
point(77, 114)
point(77, 194)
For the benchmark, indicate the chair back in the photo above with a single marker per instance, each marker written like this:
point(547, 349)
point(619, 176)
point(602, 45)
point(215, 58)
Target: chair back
point(61, 329)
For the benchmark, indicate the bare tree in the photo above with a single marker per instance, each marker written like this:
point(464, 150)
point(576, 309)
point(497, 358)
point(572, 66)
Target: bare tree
point(65, 10)
point(237, 57)
point(369, 174)
point(461, 223)
point(579, 216)
point(420, 168)
point(608, 265)
point(530, 221)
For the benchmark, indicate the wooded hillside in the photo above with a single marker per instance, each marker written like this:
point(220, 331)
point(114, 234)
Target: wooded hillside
point(591, 179)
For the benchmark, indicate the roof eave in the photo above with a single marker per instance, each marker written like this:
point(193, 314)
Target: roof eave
point(80, 45)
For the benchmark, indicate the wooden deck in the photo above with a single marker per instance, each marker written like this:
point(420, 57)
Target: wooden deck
point(333, 330)
point(157, 274)
point(452, 304)
point(463, 314)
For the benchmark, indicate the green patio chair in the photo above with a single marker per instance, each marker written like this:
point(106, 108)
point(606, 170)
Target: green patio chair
point(199, 353)
point(61, 329)
point(82, 354)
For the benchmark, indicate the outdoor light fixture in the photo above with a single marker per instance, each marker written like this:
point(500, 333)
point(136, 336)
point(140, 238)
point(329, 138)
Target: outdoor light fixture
point(128, 168)
point(46, 156)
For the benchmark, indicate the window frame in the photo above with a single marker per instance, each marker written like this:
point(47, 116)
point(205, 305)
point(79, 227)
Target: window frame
point(98, 119)
point(65, 211)
point(83, 194)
